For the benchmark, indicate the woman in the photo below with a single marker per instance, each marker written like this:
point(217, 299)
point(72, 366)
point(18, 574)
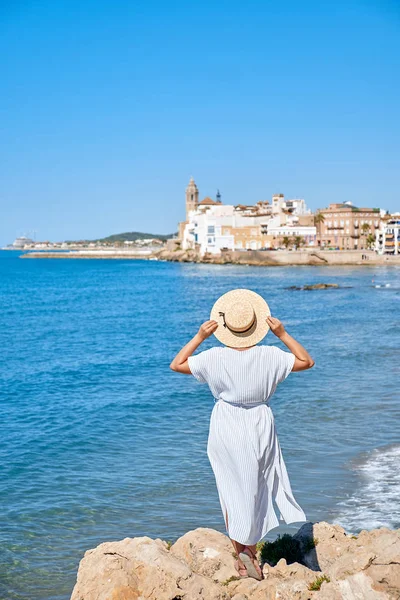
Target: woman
point(243, 447)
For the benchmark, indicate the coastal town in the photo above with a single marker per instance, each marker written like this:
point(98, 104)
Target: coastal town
point(214, 231)
point(212, 227)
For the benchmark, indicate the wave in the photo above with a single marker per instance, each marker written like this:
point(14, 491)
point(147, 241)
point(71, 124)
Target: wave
point(375, 501)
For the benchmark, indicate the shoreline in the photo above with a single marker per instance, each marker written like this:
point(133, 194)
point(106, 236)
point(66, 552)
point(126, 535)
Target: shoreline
point(260, 258)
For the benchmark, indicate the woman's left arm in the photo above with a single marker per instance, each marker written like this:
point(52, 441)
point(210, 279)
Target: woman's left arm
point(180, 362)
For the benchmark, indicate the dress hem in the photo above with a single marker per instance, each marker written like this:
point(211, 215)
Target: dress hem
point(251, 543)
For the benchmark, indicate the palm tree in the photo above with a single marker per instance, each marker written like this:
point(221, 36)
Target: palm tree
point(370, 240)
point(319, 219)
point(286, 242)
point(299, 241)
point(365, 228)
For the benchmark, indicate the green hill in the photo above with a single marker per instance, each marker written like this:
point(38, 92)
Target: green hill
point(132, 236)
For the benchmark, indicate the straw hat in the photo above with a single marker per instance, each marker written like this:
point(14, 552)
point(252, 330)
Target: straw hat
point(241, 316)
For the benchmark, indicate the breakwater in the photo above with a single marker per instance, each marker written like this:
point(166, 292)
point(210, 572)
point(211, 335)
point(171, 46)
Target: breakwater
point(237, 257)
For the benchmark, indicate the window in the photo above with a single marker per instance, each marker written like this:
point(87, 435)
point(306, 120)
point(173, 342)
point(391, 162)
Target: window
point(211, 240)
point(211, 229)
point(341, 223)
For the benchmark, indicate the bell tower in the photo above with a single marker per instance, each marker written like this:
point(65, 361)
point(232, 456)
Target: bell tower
point(192, 197)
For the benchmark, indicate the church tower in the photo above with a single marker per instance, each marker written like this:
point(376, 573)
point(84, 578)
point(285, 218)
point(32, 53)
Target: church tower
point(192, 197)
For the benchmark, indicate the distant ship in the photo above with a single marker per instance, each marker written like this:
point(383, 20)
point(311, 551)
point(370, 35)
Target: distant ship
point(21, 242)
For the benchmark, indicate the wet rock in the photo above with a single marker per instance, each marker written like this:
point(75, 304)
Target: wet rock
point(315, 286)
point(320, 286)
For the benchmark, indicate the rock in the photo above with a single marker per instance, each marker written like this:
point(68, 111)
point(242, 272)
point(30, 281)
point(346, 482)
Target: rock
point(357, 586)
point(316, 286)
point(386, 578)
point(377, 554)
point(328, 591)
point(331, 543)
point(252, 589)
point(292, 571)
point(360, 585)
point(207, 552)
point(200, 566)
point(139, 568)
point(320, 286)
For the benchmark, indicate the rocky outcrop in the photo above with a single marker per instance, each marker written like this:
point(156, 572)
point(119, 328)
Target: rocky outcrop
point(315, 286)
point(200, 566)
point(138, 568)
point(280, 257)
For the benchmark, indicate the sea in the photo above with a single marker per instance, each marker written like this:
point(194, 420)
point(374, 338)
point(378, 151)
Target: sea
point(100, 440)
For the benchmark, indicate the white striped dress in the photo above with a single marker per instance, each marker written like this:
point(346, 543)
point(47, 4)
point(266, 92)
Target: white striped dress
point(243, 446)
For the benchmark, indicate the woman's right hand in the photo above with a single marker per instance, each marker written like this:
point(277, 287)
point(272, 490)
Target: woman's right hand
point(207, 329)
point(276, 326)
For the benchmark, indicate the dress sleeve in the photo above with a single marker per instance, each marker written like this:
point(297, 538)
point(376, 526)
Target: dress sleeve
point(198, 365)
point(283, 363)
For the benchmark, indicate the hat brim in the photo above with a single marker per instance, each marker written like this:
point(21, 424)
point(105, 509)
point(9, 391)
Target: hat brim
point(259, 328)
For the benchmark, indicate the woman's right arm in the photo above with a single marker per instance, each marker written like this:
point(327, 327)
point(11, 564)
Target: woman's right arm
point(303, 360)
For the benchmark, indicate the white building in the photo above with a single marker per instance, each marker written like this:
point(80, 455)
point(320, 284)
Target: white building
point(387, 239)
point(308, 233)
point(204, 229)
point(211, 226)
point(295, 206)
point(211, 230)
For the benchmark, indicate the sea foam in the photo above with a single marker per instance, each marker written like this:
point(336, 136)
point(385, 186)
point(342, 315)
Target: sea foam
point(375, 501)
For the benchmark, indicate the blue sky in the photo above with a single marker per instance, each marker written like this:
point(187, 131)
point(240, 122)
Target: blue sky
point(109, 107)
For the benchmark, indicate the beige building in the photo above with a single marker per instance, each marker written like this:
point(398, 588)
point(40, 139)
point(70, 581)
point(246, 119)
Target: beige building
point(250, 237)
point(347, 227)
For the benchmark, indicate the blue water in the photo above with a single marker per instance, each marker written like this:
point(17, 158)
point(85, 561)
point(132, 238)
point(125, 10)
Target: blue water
point(100, 440)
